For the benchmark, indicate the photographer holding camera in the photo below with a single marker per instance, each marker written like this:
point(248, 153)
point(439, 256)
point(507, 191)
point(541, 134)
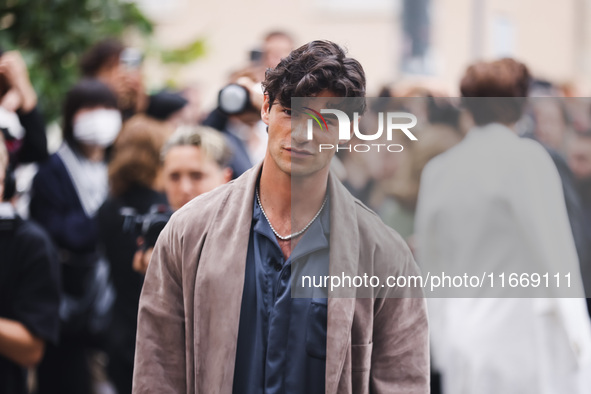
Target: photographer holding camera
point(133, 173)
point(239, 104)
point(119, 68)
point(194, 161)
point(21, 123)
point(29, 293)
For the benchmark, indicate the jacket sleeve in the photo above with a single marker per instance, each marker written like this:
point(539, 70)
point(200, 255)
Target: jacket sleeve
point(37, 296)
point(400, 354)
point(34, 147)
point(160, 365)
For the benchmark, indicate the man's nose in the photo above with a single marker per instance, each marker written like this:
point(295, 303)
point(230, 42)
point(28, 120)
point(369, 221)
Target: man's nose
point(299, 131)
point(186, 185)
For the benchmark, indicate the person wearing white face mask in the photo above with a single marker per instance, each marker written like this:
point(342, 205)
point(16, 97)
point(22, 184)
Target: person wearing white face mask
point(66, 194)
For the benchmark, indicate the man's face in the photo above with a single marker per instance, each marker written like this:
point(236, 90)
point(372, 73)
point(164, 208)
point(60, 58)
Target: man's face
point(126, 83)
point(110, 73)
point(275, 49)
point(579, 157)
point(288, 147)
point(187, 173)
point(550, 126)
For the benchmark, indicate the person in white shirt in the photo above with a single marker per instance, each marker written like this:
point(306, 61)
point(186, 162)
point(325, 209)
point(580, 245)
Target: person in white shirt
point(494, 203)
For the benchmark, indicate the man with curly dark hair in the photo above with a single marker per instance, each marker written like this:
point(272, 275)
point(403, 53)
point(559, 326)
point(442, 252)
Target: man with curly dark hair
point(216, 311)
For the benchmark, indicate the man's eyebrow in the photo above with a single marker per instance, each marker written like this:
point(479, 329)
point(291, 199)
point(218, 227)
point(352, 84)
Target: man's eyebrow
point(297, 109)
point(336, 103)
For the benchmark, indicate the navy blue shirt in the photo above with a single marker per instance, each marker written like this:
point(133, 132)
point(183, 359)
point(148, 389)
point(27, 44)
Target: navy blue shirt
point(282, 340)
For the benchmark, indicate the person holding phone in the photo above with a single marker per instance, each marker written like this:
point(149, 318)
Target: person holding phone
point(21, 124)
point(119, 67)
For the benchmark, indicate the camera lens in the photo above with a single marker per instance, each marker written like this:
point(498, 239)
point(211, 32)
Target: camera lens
point(233, 99)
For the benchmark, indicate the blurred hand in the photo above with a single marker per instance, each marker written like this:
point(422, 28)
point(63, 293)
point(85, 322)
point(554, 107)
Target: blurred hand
point(255, 90)
point(14, 68)
point(141, 258)
point(12, 100)
point(130, 90)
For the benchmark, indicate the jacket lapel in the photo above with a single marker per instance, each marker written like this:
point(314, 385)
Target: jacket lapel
point(218, 301)
point(344, 252)
point(218, 293)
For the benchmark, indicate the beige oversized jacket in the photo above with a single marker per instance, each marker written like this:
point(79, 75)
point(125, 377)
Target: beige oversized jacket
point(190, 304)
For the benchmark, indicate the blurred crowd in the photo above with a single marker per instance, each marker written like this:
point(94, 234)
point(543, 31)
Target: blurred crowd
point(76, 237)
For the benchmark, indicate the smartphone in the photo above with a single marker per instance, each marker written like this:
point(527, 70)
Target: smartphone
point(256, 56)
point(131, 58)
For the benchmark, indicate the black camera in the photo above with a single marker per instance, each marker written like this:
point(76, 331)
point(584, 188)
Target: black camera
point(147, 226)
point(234, 99)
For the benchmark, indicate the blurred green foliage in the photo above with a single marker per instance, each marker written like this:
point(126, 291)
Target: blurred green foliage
point(53, 34)
point(184, 55)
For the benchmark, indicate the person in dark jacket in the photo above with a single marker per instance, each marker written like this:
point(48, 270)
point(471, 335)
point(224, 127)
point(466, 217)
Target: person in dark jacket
point(29, 294)
point(66, 195)
point(579, 161)
point(550, 127)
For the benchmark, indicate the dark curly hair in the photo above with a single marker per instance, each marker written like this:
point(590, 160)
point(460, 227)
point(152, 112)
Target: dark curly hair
point(312, 68)
point(104, 53)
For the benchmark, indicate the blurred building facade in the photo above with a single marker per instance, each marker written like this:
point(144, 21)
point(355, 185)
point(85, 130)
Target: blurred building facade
point(414, 40)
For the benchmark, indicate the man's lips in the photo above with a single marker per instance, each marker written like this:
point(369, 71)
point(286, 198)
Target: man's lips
point(298, 152)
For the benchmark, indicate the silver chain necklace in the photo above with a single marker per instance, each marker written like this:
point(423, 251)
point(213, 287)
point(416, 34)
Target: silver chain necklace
point(294, 235)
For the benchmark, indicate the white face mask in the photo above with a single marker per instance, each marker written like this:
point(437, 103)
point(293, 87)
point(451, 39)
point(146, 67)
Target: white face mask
point(98, 127)
point(9, 121)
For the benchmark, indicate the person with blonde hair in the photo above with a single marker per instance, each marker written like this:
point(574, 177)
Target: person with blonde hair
point(194, 160)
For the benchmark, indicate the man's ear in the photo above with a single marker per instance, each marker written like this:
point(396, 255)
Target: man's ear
point(227, 174)
point(265, 109)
